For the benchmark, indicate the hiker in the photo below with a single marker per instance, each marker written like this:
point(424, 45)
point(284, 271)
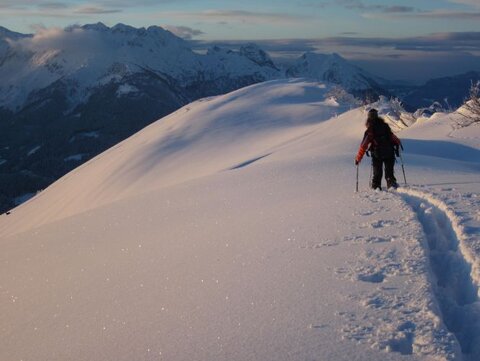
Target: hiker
point(383, 145)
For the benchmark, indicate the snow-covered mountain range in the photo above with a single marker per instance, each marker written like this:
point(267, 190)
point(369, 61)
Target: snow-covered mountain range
point(230, 230)
point(85, 58)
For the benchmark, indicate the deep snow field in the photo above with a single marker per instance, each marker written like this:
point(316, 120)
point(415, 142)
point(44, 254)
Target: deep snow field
point(230, 230)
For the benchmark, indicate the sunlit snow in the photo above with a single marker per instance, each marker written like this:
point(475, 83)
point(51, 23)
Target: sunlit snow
point(230, 230)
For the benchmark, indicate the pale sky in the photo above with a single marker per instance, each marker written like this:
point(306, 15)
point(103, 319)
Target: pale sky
point(369, 31)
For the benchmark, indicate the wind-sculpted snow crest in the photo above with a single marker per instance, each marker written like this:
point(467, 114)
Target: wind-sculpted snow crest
point(200, 139)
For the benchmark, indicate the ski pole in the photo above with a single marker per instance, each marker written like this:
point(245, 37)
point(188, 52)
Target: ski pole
point(356, 188)
point(403, 169)
point(370, 178)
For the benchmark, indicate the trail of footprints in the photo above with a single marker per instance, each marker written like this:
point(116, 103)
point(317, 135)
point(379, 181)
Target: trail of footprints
point(391, 319)
point(400, 313)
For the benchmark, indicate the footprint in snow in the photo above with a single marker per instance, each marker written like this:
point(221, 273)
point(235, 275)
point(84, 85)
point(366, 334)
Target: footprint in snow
point(376, 277)
point(378, 240)
point(368, 239)
point(381, 223)
point(364, 213)
point(321, 244)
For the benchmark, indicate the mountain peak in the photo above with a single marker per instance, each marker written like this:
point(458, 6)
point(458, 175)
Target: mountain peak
point(218, 50)
point(125, 29)
point(96, 27)
point(6, 33)
point(121, 28)
point(159, 30)
point(253, 52)
point(334, 69)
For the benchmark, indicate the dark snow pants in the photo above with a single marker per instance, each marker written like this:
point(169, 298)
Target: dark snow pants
point(378, 165)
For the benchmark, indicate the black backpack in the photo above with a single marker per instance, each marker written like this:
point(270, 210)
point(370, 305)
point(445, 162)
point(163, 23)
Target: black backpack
point(382, 146)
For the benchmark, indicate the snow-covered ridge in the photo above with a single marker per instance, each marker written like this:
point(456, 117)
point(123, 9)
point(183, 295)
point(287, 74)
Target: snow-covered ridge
point(198, 140)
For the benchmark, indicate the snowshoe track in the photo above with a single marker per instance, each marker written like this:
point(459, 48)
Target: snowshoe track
point(455, 289)
point(393, 318)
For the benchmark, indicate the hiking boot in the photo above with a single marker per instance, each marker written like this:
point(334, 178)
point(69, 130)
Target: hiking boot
point(392, 184)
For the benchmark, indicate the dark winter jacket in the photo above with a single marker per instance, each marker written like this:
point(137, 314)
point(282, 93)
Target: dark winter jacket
point(379, 140)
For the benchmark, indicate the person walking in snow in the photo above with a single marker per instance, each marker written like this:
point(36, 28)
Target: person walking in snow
point(383, 145)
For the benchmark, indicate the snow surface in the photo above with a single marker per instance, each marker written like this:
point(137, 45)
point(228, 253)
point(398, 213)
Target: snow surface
point(230, 230)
